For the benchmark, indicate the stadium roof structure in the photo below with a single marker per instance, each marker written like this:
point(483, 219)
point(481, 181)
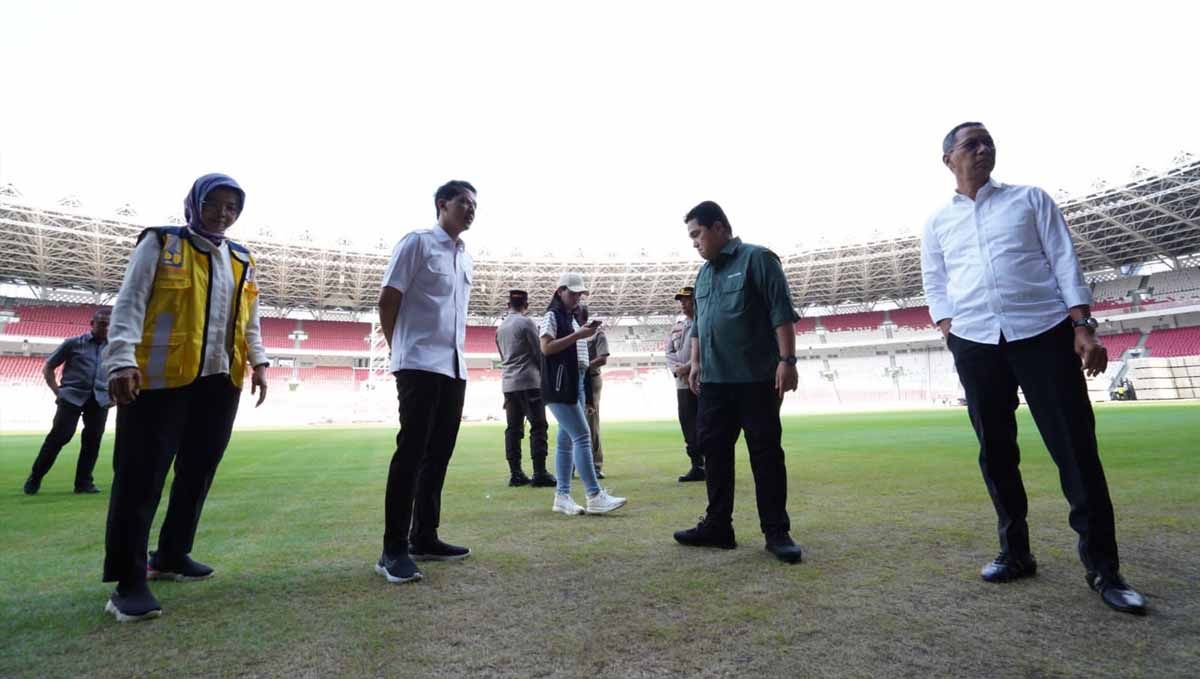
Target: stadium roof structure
point(61, 252)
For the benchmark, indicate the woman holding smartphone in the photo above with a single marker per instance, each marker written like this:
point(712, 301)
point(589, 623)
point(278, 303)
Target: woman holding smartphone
point(564, 344)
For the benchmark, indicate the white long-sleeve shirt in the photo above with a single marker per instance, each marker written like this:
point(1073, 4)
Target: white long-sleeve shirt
point(1001, 264)
point(129, 311)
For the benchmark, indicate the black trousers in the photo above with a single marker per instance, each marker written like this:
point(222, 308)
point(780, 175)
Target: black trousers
point(189, 425)
point(1047, 369)
point(66, 418)
point(688, 404)
point(431, 408)
point(519, 406)
point(724, 411)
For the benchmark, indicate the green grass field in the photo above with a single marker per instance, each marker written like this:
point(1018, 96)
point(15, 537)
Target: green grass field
point(890, 509)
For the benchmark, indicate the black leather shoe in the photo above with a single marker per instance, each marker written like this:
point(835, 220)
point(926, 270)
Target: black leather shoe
point(599, 474)
point(184, 569)
point(32, 486)
point(706, 534)
point(1117, 593)
point(89, 489)
point(518, 478)
point(436, 550)
point(543, 479)
point(1006, 568)
point(783, 548)
point(130, 603)
point(694, 474)
point(398, 567)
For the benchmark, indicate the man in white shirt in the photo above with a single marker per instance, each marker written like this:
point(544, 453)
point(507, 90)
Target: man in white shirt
point(423, 314)
point(1004, 286)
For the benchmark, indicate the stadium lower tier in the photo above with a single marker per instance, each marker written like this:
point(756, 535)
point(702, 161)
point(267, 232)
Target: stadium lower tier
point(347, 395)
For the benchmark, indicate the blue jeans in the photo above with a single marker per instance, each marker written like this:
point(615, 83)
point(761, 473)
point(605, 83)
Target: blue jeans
point(573, 435)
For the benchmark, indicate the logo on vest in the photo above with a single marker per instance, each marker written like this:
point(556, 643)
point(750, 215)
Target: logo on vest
point(172, 255)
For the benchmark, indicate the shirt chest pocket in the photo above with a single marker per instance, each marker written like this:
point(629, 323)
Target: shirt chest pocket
point(703, 295)
point(1012, 229)
point(437, 276)
point(733, 292)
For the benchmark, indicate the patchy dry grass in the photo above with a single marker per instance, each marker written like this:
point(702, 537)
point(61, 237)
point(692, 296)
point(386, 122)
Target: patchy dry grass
point(889, 507)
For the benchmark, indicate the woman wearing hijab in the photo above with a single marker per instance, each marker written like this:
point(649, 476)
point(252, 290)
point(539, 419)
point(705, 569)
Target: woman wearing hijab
point(184, 327)
point(564, 345)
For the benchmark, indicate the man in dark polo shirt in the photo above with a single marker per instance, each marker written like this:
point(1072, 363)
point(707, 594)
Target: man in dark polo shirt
point(743, 358)
point(82, 392)
point(521, 380)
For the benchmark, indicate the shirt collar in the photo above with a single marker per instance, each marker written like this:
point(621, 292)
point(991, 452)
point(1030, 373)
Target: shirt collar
point(204, 243)
point(443, 237)
point(731, 247)
point(992, 185)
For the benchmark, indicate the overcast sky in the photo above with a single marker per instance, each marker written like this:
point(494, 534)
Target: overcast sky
point(590, 126)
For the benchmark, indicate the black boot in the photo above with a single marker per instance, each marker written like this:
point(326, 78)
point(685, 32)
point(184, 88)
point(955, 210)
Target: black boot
point(541, 477)
point(517, 475)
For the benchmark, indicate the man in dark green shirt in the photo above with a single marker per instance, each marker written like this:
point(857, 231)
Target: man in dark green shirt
point(743, 361)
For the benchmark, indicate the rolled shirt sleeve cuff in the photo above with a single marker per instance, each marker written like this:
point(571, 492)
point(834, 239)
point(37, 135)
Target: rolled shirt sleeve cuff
point(1077, 296)
point(939, 311)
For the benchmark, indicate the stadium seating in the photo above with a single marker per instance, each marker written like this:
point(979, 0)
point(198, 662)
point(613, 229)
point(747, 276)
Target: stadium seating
point(22, 369)
point(1109, 305)
point(336, 335)
point(1115, 290)
point(1174, 342)
point(327, 377)
point(480, 340)
point(912, 317)
point(322, 335)
point(1181, 283)
point(1119, 343)
point(275, 332)
point(51, 320)
point(863, 320)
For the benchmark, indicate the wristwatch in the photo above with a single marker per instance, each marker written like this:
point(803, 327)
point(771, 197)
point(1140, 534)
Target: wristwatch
point(1088, 322)
point(790, 360)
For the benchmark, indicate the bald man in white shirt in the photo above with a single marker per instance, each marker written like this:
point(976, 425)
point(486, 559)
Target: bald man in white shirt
point(1003, 284)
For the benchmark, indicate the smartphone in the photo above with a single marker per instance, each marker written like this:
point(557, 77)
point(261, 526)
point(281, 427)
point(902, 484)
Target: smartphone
point(594, 323)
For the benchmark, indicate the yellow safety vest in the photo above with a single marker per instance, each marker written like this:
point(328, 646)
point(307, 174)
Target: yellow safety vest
point(175, 331)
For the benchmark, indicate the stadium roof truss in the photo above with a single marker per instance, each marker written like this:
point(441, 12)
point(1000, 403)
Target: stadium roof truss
point(63, 254)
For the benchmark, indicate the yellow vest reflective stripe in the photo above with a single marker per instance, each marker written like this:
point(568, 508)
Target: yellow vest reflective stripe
point(175, 330)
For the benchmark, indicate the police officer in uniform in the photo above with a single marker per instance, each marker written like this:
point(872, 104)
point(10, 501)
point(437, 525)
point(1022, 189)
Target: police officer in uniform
point(521, 380)
point(679, 362)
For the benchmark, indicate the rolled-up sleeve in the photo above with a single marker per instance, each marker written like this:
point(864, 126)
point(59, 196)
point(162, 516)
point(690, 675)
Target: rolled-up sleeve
point(1060, 251)
point(933, 275)
point(770, 279)
point(129, 311)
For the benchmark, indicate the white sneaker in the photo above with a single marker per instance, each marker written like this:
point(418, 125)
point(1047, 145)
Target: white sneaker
point(563, 504)
point(603, 503)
